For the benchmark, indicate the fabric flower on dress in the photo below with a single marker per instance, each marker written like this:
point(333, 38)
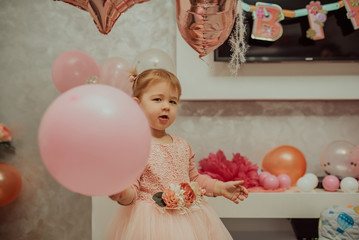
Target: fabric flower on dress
point(183, 196)
point(189, 196)
point(171, 199)
point(198, 191)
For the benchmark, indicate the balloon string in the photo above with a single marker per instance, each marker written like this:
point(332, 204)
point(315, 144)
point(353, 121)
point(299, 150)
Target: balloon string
point(237, 43)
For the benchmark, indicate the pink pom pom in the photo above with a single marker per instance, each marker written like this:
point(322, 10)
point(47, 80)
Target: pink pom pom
point(218, 167)
point(246, 171)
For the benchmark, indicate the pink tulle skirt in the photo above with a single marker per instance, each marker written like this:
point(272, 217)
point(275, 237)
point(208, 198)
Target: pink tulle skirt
point(144, 221)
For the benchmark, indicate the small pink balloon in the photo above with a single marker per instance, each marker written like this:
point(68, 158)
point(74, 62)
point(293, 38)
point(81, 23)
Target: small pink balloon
point(116, 72)
point(284, 181)
point(262, 176)
point(94, 140)
point(72, 69)
point(331, 183)
point(270, 182)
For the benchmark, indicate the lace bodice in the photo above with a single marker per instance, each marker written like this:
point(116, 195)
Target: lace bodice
point(167, 164)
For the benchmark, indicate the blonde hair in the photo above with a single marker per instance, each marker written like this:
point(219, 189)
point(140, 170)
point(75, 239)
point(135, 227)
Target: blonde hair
point(146, 77)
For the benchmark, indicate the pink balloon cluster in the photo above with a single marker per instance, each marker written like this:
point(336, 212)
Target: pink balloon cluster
point(75, 68)
point(271, 182)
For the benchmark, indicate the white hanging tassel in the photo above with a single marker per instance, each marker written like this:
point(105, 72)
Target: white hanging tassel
point(237, 43)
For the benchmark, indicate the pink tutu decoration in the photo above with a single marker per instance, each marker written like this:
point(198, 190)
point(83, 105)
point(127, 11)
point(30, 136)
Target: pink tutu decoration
point(240, 168)
point(147, 221)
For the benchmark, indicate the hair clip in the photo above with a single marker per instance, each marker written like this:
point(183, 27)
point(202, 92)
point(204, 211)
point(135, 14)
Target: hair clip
point(132, 78)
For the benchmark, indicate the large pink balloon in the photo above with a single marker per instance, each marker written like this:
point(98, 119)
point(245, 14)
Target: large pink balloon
point(205, 25)
point(94, 140)
point(116, 72)
point(72, 69)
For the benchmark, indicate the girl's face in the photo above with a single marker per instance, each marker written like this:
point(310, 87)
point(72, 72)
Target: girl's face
point(159, 103)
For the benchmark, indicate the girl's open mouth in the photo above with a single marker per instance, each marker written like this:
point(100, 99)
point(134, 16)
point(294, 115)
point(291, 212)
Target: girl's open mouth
point(164, 117)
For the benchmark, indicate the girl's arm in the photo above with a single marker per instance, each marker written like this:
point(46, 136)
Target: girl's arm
point(232, 190)
point(127, 196)
point(204, 181)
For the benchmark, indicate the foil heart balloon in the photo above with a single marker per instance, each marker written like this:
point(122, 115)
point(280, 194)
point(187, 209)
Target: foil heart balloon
point(205, 24)
point(104, 12)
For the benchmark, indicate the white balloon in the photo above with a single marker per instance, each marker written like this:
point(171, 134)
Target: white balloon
point(153, 58)
point(305, 184)
point(349, 185)
point(313, 178)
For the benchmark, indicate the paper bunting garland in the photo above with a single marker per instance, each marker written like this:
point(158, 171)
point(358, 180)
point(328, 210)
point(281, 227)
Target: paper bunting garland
point(317, 17)
point(266, 22)
point(267, 17)
point(352, 7)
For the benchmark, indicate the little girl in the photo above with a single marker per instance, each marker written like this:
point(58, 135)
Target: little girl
point(170, 170)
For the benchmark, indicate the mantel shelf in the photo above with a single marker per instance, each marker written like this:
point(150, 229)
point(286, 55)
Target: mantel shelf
point(288, 204)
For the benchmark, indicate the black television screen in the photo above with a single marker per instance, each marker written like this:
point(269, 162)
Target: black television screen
point(341, 40)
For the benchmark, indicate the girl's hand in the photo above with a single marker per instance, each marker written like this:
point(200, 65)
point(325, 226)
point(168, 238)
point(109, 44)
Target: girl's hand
point(124, 197)
point(232, 190)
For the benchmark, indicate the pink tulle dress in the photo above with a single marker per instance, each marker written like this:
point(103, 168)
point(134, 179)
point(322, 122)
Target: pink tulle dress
point(143, 219)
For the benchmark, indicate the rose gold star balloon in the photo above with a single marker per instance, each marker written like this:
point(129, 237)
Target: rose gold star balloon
point(104, 12)
point(205, 24)
point(82, 4)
